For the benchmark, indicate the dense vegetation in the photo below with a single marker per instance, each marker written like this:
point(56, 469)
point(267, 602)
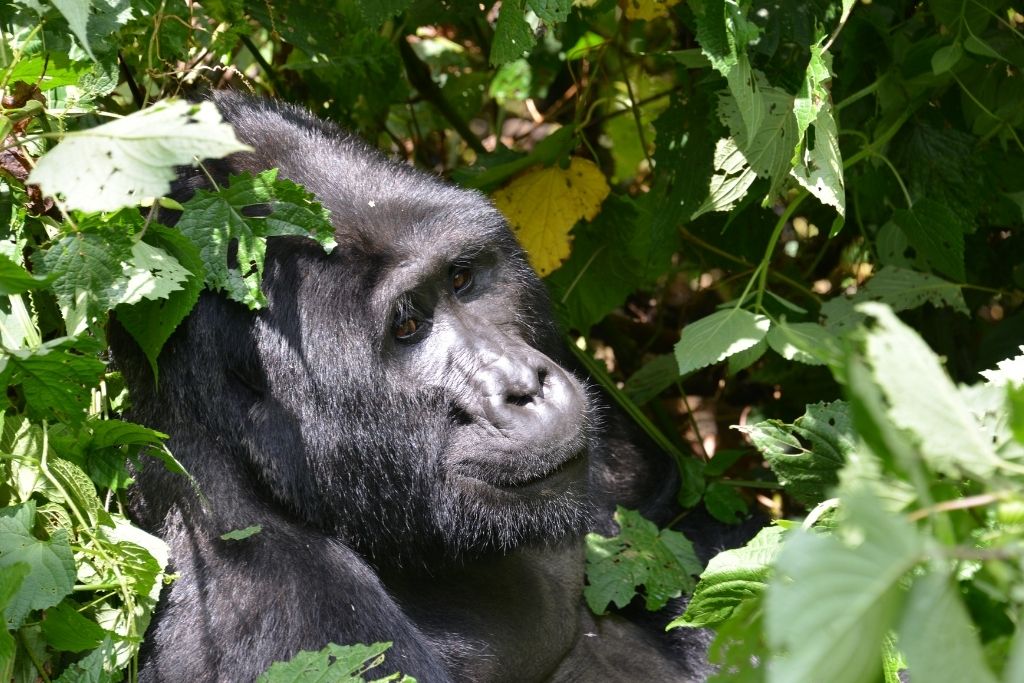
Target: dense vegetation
point(786, 236)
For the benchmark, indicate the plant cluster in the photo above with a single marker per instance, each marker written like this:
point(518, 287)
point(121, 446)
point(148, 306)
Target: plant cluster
point(730, 202)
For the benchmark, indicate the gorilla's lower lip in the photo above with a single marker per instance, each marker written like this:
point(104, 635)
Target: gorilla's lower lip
point(570, 466)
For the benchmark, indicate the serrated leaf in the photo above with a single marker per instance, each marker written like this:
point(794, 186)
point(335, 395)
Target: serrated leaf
point(125, 161)
point(1009, 371)
point(663, 562)
point(808, 343)
point(333, 664)
point(242, 534)
point(99, 666)
point(76, 12)
point(718, 336)
point(830, 603)
point(543, 205)
point(923, 400)
point(818, 165)
point(150, 273)
point(901, 289)
point(937, 636)
point(807, 455)
point(56, 382)
point(52, 569)
point(730, 181)
point(937, 234)
point(731, 578)
point(88, 274)
point(14, 279)
point(552, 12)
point(151, 322)
point(513, 37)
point(213, 220)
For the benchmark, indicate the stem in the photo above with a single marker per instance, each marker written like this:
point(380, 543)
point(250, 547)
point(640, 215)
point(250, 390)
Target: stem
point(751, 484)
point(762, 268)
point(958, 504)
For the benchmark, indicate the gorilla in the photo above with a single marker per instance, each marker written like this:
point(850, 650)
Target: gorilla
point(403, 422)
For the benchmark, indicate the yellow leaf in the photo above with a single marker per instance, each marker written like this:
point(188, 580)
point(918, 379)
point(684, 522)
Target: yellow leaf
point(543, 204)
point(647, 9)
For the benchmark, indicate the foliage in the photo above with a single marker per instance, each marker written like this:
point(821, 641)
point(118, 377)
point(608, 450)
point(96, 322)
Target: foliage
point(730, 201)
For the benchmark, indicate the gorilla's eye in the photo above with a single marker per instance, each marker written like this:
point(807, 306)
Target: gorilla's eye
point(461, 279)
point(406, 328)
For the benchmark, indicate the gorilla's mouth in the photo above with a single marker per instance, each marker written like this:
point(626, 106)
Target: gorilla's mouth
point(559, 474)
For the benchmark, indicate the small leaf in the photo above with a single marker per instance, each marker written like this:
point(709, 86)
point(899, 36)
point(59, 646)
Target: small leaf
point(945, 58)
point(808, 343)
point(731, 578)
point(807, 455)
point(718, 336)
point(333, 664)
point(150, 273)
point(543, 205)
point(242, 534)
point(663, 562)
point(14, 279)
point(66, 629)
point(725, 503)
point(56, 382)
point(937, 234)
point(551, 12)
point(653, 378)
point(52, 569)
point(125, 161)
point(513, 37)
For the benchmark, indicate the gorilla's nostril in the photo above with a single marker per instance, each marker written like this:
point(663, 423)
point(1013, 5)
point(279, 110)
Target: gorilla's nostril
point(519, 400)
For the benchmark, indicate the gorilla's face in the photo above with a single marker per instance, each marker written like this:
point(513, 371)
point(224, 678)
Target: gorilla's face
point(410, 365)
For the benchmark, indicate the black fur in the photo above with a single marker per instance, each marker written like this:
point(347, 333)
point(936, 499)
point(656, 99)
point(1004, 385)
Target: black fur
point(431, 491)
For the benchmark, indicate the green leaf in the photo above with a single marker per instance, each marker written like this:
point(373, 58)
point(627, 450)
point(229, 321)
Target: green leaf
point(66, 629)
point(14, 279)
point(937, 234)
point(513, 37)
point(650, 380)
point(151, 322)
point(807, 455)
point(923, 400)
point(76, 12)
point(334, 663)
point(808, 343)
point(52, 568)
point(900, 288)
point(744, 359)
point(56, 382)
point(125, 161)
point(242, 534)
point(212, 220)
point(818, 165)
point(739, 646)
point(718, 336)
point(89, 274)
point(376, 12)
point(551, 12)
point(725, 503)
point(945, 58)
point(11, 578)
point(830, 603)
point(98, 666)
point(151, 273)
point(732, 578)
point(663, 562)
point(937, 636)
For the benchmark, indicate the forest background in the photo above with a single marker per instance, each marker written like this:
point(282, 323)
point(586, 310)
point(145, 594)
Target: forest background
point(785, 236)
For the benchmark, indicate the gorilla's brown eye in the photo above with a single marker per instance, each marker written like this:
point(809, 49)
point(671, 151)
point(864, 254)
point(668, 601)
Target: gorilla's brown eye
point(406, 328)
point(461, 279)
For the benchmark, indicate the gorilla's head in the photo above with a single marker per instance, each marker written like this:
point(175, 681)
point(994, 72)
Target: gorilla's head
point(406, 390)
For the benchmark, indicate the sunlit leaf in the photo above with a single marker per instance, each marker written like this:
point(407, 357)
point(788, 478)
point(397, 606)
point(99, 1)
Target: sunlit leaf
point(543, 204)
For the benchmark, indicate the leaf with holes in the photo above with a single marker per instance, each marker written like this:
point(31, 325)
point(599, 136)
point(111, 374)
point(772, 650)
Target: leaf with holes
point(125, 161)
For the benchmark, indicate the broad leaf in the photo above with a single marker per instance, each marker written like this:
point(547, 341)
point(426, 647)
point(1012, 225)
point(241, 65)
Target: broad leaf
point(937, 234)
point(513, 37)
point(56, 382)
point(51, 565)
point(718, 336)
point(125, 161)
point(663, 562)
point(830, 604)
